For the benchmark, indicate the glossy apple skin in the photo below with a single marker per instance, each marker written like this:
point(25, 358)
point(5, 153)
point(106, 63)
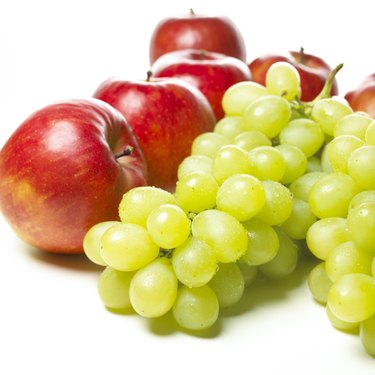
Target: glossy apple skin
point(312, 69)
point(166, 115)
point(209, 33)
point(59, 175)
point(212, 73)
point(363, 97)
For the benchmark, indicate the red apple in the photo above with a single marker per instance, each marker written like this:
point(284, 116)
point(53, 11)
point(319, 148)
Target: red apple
point(210, 33)
point(166, 115)
point(62, 171)
point(363, 97)
point(212, 73)
point(312, 69)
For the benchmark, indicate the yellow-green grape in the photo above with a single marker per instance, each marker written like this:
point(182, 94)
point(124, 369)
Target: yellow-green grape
point(352, 297)
point(285, 261)
point(137, 203)
point(283, 79)
point(300, 220)
point(168, 226)
point(241, 196)
point(328, 112)
point(303, 133)
point(250, 139)
point(194, 163)
point(237, 97)
point(153, 289)
point(325, 234)
point(314, 164)
point(249, 273)
point(339, 150)
point(222, 232)
point(353, 124)
point(367, 334)
point(208, 143)
point(228, 284)
point(113, 288)
point(196, 308)
point(278, 205)
point(196, 191)
point(91, 241)
point(347, 258)
point(330, 196)
point(340, 324)
point(324, 160)
point(127, 247)
point(229, 126)
point(263, 243)
point(362, 197)
point(295, 162)
point(194, 262)
point(300, 188)
point(373, 268)
point(230, 160)
point(319, 283)
point(268, 114)
point(361, 167)
point(361, 224)
point(267, 163)
point(370, 133)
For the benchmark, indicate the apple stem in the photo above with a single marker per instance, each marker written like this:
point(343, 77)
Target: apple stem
point(125, 152)
point(302, 55)
point(192, 13)
point(149, 75)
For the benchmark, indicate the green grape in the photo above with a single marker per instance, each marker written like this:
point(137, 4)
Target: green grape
point(340, 324)
point(300, 188)
point(91, 241)
point(153, 289)
point(194, 163)
point(222, 232)
point(283, 79)
point(367, 334)
point(300, 220)
point(137, 203)
point(373, 267)
point(324, 160)
point(339, 150)
point(249, 273)
point(295, 161)
point(362, 197)
point(319, 283)
point(229, 126)
point(168, 226)
point(263, 243)
point(361, 224)
point(303, 133)
point(278, 205)
point(196, 191)
point(241, 196)
point(370, 133)
point(285, 261)
point(352, 297)
point(267, 163)
point(347, 258)
point(194, 262)
point(328, 112)
point(268, 114)
point(196, 308)
point(127, 247)
point(228, 284)
point(113, 288)
point(208, 143)
point(250, 139)
point(325, 234)
point(330, 196)
point(353, 124)
point(361, 167)
point(314, 164)
point(230, 160)
point(237, 97)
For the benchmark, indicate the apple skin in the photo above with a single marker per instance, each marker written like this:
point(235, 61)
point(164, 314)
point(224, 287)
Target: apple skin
point(212, 73)
point(363, 97)
point(209, 33)
point(59, 175)
point(167, 114)
point(312, 69)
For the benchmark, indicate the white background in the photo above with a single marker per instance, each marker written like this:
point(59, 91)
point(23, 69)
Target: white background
point(51, 318)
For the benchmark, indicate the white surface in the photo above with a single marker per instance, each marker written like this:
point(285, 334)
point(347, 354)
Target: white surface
point(51, 319)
